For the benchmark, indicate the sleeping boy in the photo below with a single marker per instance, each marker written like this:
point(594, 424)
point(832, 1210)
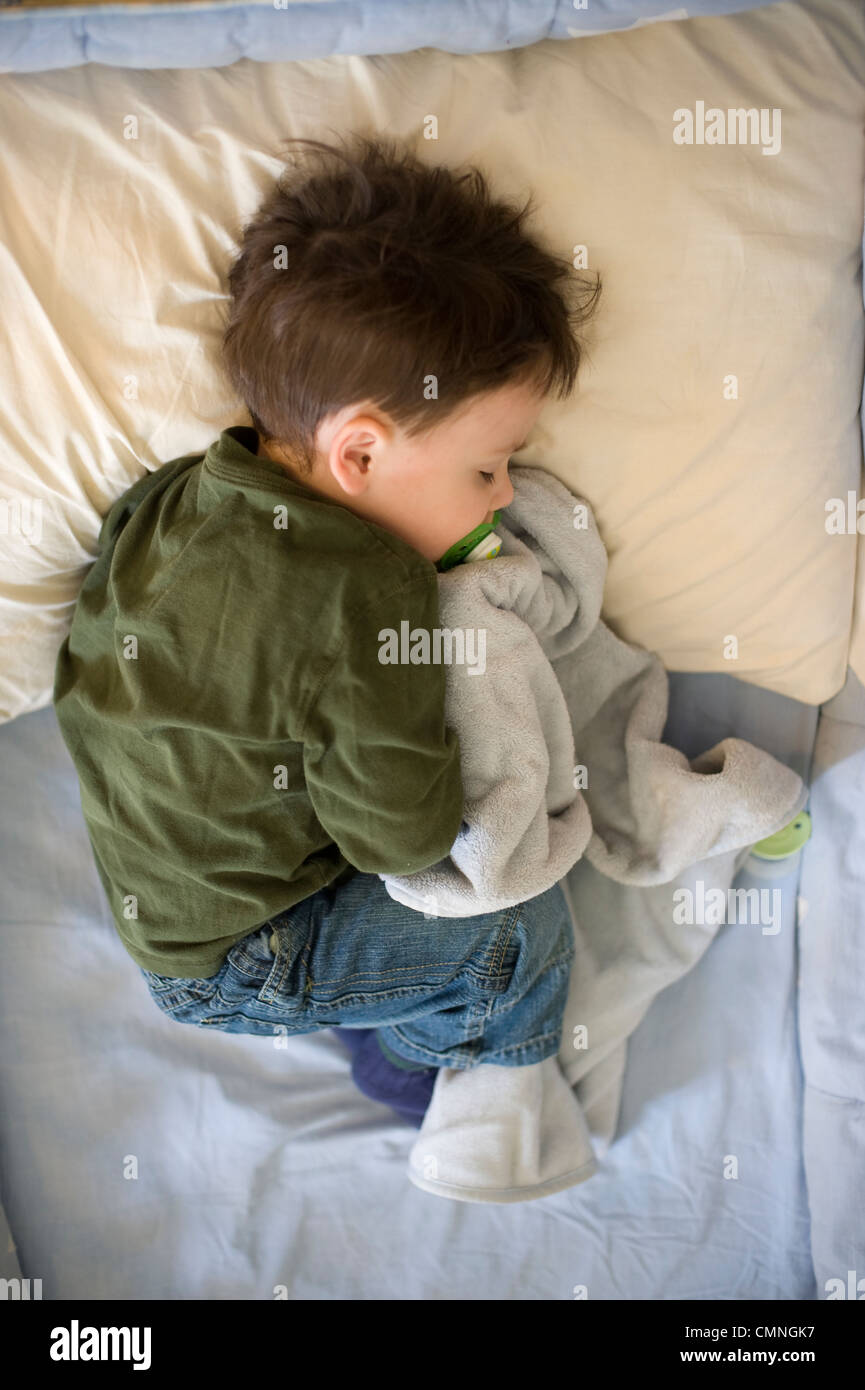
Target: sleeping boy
point(248, 765)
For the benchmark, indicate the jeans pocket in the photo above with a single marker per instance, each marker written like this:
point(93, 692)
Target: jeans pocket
point(265, 965)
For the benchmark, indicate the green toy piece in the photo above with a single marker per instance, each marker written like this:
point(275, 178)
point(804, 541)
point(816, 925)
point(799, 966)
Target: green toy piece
point(785, 841)
point(461, 550)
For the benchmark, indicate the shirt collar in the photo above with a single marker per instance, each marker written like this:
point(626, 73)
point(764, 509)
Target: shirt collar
point(233, 457)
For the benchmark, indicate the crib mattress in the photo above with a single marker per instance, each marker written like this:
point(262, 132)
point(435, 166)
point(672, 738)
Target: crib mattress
point(143, 1160)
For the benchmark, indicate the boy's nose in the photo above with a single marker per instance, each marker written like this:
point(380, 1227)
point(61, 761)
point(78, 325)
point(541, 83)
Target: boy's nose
point(507, 496)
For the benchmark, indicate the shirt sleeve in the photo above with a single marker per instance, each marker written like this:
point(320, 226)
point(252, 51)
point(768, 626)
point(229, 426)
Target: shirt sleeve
point(382, 771)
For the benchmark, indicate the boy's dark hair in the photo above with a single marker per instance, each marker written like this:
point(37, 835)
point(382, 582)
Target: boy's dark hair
point(364, 278)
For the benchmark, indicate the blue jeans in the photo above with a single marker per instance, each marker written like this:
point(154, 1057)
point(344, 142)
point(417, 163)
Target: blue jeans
point(443, 991)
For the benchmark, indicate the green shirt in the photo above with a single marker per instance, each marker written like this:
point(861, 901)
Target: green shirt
point(237, 740)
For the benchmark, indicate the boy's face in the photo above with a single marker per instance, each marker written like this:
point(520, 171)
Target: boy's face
point(433, 489)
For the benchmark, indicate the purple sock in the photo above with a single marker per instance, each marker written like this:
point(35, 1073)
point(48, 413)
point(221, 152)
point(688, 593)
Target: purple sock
point(405, 1091)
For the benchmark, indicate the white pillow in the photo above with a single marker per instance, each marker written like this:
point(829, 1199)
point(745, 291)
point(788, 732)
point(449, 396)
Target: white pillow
point(717, 260)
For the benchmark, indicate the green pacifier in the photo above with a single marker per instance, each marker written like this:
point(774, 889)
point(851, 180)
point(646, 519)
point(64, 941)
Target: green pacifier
point(479, 544)
point(785, 841)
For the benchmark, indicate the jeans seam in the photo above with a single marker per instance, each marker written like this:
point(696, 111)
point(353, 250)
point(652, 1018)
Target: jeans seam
point(472, 1047)
point(392, 974)
point(400, 992)
point(561, 964)
point(360, 975)
point(491, 965)
point(502, 940)
point(469, 1045)
point(539, 1040)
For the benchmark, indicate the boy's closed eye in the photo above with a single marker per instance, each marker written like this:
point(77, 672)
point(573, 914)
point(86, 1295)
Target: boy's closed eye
point(491, 477)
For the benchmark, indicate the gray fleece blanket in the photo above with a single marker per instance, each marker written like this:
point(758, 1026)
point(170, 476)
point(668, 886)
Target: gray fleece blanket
point(559, 724)
point(566, 779)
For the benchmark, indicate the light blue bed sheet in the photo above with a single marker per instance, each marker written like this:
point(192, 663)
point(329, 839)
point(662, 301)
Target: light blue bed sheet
point(143, 1159)
point(199, 34)
point(832, 993)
